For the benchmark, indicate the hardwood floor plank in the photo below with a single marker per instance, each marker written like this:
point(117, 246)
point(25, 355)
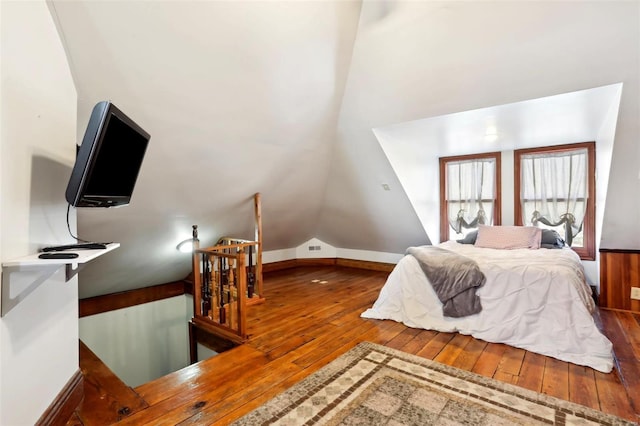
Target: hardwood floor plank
point(628, 364)
point(74, 420)
point(468, 358)
point(240, 403)
point(631, 332)
point(215, 398)
point(509, 366)
point(284, 385)
point(305, 323)
point(303, 326)
point(107, 399)
point(291, 344)
point(556, 379)
point(489, 359)
point(403, 338)
point(453, 349)
point(382, 331)
point(612, 396)
point(532, 372)
point(328, 344)
point(227, 365)
point(582, 386)
point(419, 341)
point(196, 398)
point(435, 345)
point(505, 377)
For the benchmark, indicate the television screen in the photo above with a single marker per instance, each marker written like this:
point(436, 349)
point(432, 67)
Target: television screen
point(108, 160)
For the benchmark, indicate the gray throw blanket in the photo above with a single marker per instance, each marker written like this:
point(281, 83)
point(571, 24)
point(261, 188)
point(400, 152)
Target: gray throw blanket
point(454, 278)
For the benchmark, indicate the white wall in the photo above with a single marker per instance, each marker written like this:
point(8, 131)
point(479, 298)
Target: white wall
point(143, 342)
point(270, 256)
point(418, 60)
point(328, 251)
point(315, 248)
point(39, 336)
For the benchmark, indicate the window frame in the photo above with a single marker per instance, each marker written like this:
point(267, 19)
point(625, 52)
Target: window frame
point(444, 206)
point(588, 250)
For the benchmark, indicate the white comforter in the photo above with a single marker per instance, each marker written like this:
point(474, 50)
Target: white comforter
point(537, 300)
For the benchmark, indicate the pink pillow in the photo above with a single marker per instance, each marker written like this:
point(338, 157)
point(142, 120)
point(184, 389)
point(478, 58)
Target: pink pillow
point(509, 237)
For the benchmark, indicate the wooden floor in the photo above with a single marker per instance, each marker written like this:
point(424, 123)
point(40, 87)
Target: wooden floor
point(305, 325)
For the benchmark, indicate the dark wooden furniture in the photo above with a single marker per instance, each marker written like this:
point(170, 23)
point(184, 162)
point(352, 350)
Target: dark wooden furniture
point(619, 271)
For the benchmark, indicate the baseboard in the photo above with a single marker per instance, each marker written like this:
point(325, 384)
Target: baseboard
point(366, 264)
point(319, 261)
point(62, 408)
point(279, 265)
point(348, 263)
point(628, 311)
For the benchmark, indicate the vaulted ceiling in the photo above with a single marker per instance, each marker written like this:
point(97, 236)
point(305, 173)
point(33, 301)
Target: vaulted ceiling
point(281, 97)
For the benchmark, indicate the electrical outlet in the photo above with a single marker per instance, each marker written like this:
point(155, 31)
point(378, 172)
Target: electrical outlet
point(635, 293)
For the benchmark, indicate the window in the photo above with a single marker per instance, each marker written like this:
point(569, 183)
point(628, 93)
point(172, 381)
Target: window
point(469, 193)
point(555, 189)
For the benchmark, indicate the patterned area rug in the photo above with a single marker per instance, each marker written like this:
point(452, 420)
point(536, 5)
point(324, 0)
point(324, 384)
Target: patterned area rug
point(376, 385)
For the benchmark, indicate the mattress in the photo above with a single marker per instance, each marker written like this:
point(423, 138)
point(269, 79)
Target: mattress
point(536, 300)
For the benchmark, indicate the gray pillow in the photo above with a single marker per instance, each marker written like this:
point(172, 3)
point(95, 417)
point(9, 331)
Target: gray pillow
point(551, 239)
point(470, 238)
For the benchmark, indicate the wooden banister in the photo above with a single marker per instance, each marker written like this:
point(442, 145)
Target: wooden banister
point(227, 278)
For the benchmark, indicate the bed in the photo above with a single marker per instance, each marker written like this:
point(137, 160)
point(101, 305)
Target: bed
point(536, 300)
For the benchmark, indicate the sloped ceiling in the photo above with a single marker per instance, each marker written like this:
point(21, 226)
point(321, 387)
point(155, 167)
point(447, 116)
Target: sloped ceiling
point(281, 97)
point(239, 98)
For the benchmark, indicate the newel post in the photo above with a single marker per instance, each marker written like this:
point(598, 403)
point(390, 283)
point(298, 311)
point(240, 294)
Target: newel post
point(197, 294)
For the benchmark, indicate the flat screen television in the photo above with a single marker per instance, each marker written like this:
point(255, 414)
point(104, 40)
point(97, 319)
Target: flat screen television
point(108, 160)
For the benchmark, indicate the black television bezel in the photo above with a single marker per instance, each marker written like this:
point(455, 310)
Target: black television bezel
point(88, 154)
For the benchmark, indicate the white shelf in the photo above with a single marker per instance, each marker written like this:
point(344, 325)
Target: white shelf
point(84, 256)
point(45, 268)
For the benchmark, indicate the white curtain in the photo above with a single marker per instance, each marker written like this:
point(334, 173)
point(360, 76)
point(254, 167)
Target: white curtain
point(470, 193)
point(554, 189)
